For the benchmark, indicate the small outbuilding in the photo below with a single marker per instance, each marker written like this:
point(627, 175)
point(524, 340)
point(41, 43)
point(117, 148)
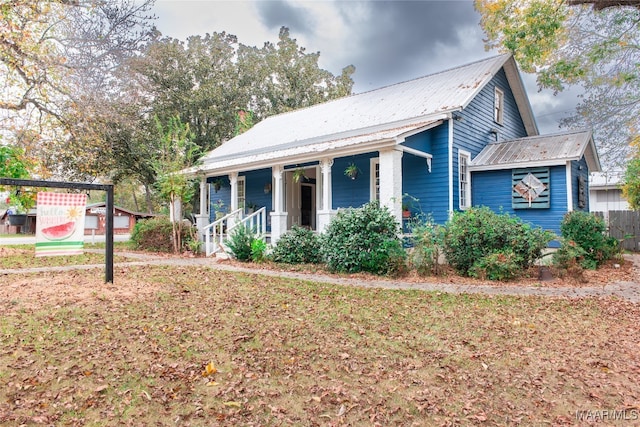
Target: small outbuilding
point(123, 219)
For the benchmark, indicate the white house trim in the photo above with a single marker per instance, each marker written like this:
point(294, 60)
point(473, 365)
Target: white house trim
point(417, 153)
point(391, 181)
point(466, 202)
point(278, 216)
point(325, 212)
point(450, 164)
point(373, 194)
point(569, 187)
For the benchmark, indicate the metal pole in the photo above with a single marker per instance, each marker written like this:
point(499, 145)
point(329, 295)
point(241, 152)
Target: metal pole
point(108, 274)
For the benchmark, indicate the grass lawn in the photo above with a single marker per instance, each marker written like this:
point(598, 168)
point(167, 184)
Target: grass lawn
point(193, 346)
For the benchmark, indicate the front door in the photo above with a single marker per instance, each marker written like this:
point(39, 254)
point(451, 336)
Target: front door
point(301, 199)
point(307, 202)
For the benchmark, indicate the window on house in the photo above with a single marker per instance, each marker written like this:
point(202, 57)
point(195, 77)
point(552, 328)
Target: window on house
point(464, 179)
point(241, 192)
point(375, 179)
point(498, 106)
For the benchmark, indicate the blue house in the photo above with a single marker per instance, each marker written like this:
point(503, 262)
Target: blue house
point(459, 138)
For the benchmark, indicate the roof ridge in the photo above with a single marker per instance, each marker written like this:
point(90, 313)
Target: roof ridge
point(352, 95)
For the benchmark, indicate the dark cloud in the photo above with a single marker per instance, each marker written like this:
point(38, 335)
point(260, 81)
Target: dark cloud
point(408, 39)
point(395, 41)
point(279, 13)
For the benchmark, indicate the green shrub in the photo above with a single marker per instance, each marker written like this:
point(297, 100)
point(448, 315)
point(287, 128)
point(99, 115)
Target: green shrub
point(154, 234)
point(239, 242)
point(477, 232)
point(500, 265)
point(364, 239)
point(297, 246)
point(427, 239)
point(569, 259)
point(258, 248)
point(568, 255)
point(589, 232)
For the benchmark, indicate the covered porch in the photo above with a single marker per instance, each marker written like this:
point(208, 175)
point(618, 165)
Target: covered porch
point(306, 185)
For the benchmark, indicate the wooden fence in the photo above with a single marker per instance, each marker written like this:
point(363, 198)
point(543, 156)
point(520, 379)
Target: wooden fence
point(624, 226)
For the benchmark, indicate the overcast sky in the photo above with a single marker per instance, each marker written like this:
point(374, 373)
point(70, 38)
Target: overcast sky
point(387, 41)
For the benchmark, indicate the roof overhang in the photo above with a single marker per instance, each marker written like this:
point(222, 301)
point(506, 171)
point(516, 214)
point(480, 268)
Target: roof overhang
point(587, 150)
point(365, 141)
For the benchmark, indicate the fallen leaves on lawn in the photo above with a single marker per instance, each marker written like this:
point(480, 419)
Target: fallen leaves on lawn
point(193, 346)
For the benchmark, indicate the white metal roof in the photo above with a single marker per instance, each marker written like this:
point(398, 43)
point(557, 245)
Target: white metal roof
point(364, 117)
point(546, 150)
point(336, 147)
point(606, 180)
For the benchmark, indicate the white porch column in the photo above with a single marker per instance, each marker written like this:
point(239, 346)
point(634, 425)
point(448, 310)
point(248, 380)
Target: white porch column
point(324, 214)
point(278, 216)
point(202, 219)
point(233, 179)
point(391, 182)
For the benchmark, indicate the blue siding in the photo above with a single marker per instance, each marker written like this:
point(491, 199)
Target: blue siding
point(430, 188)
point(254, 189)
point(472, 132)
point(222, 195)
point(349, 192)
point(493, 189)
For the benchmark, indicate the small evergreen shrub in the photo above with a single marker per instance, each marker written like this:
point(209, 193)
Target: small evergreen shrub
point(569, 259)
point(500, 265)
point(364, 239)
point(297, 246)
point(427, 247)
point(154, 234)
point(477, 232)
point(239, 243)
point(589, 232)
point(258, 248)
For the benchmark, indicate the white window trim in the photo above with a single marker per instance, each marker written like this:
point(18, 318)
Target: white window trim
point(242, 183)
point(373, 195)
point(498, 105)
point(462, 154)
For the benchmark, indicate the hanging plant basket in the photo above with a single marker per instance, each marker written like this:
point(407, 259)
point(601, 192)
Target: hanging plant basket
point(352, 171)
point(17, 219)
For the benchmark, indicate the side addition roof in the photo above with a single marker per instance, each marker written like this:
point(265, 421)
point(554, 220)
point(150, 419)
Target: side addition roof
point(365, 119)
point(546, 150)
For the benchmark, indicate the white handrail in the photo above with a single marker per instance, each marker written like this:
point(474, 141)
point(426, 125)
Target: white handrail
point(214, 232)
point(256, 222)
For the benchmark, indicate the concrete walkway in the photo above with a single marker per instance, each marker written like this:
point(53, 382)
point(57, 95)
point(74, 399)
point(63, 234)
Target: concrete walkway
point(624, 290)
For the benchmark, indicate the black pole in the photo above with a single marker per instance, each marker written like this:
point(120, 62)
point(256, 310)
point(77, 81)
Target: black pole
point(80, 186)
point(108, 257)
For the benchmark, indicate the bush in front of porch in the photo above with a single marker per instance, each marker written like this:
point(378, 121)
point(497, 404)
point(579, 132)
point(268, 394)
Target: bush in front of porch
point(298, 246)
point(364, 239)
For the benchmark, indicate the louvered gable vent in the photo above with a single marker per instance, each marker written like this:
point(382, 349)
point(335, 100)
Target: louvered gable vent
point(531, 188)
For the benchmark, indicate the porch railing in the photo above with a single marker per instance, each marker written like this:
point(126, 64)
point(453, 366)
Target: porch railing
point(218, 231)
